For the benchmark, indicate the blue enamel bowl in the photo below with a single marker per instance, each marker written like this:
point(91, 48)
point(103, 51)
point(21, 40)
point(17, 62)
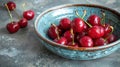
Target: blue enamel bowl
point(53, 15)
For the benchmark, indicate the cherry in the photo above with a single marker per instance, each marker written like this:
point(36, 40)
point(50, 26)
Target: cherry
point(53, 31)
point(62, 41)
point(78, 25)
point(65, 23)
point(23, 22)
point(86, 41)
point(11, 5)
point(111, 38)
point(94, 20)
point(68, 35)
point(13, 27)
point(108, 29)
point(79, 35)
point(29, 14)
point(96, 32)
point(100, 42)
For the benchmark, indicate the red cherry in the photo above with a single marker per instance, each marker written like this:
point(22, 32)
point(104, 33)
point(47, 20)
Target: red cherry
point(86, 41)
point(65, 23)
point(94, 20)
point(54, 31)
point(13, 27)
point(96, 32)
point(29, 14)
point(73, 44)
point(111, 38)
point(79, 35)
point(23, 22)
point(100, 42)
point(62, 41)
point(78, 25)
point(107, 28)
point(11, 5)
point(68, 35)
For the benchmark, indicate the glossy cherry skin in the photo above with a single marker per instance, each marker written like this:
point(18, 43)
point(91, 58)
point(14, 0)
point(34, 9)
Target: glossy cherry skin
point(29, 14)
point(94, 20)
point(86, 41)
point(96, 32)
point(11, 5)
point(13, 27)
point(107, 29)
point(62, 41)
point(100, 42)
point(52, 32)
point(65, 23)
point(23, 22)
point(78, 25)
point(73, 44)
point(68, 35)
point(111, 38)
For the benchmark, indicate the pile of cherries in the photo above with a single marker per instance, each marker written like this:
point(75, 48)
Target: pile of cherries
point(14, 26)
point(81, 33)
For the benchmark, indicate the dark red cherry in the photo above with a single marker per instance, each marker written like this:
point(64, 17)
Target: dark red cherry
point(107, 28)
point(73, 44)
point(86, 41)
point(100, 42)
point(94, 20)
point(13, 27)
point(79, 35)
point(111, 38)
point(78, 25)
point(53, 31)
point(96, 32)
point(23, 22)
point(11, 5)
point(65, 23)
point(29, 14)
point(62, 41)
point(68, 35)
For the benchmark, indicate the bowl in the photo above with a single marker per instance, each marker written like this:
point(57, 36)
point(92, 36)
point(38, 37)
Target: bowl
point(53, 15)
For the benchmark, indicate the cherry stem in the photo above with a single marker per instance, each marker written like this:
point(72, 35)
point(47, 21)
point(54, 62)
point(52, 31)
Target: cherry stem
point(17, 14)
point(112, 29)
point(9, 12)
point(56, 30)
point(84, 14)
point(23, 5)
point(103, 18)
point(71, 31)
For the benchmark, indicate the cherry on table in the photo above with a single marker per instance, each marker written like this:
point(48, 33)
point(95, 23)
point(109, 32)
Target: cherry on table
point(11, 5)
point(29, 14)
point(96, 32)
point(78, 25)
point(13, 27)
point(94, 20)
point(86, 41)
point(23, 22)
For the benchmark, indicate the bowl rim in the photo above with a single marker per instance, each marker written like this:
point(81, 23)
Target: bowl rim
point(69, 47)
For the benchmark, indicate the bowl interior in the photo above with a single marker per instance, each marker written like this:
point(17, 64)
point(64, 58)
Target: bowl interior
point(54, 15)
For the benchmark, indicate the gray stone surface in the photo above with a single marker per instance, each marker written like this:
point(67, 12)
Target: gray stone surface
point(23, 48)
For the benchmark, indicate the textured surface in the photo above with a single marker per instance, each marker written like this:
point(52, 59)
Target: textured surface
point(23, 48)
